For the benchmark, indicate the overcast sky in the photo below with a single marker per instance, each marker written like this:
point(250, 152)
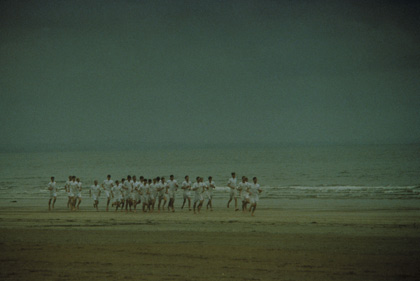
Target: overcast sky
point(130, 73)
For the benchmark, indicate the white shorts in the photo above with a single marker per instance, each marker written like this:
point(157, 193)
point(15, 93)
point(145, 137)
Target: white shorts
point(79, 195)
point(108, 193)
point(94, 197)
point(137, 196)
point(233, 193)
point(171, 194)
point(187, 195)
point(254, 199)
point(209, 195)
point(117, 198)
point(127, 196)
point(198, 198)
point(151, 197)
point(52, 195)
point(71, 194)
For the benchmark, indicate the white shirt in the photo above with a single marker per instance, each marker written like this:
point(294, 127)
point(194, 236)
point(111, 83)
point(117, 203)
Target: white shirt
point(74, 187)
point(210, 186)
point(136, 186)
point(242, 187)
point(172, 185)
point(254, 189)
point(52, 188)
point(127, 187)
point(117, 190)
point(95, 189)
point(186, 186)
point(152, 188)
point(163, 186)
point(144, 188)
point(68, 186)
point(232, 183)
point(108, 184)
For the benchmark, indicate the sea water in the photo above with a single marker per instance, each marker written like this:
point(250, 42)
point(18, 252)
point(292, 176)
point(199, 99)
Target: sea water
point(371, 172)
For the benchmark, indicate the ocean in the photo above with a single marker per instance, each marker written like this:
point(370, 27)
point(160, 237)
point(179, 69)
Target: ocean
point(366, 172)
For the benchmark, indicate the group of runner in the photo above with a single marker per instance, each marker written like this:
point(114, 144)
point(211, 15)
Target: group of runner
point(129, 193)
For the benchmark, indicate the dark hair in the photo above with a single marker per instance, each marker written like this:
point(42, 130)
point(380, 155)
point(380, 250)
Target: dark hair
point(233, 173)
point(210, 177)
point(254, 178)
point(108, 176)
point(185, 176)
point(171, 176)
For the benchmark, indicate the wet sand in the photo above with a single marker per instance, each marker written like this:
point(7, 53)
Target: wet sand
point(276, 244)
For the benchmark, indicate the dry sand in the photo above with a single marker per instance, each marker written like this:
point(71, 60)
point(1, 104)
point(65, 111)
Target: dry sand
point(276, 244)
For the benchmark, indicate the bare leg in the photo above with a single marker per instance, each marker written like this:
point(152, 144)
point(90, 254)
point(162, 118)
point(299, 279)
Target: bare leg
point(55, 199)
point(230, 200)
point(49, 205)
point(200, 205)
point(185, 200)
point(164, 203)
point(254, 206)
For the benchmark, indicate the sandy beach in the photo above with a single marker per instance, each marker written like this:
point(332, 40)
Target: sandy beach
point(276, 244)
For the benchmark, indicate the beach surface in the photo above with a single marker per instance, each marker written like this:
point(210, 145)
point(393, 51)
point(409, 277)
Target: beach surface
point(278, 243)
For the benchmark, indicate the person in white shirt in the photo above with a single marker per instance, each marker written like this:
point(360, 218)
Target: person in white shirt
point(198, 188)
point(254, 190)
point(149, 194)
point(53, 193)
point(95, 192)
point(233, 192)
point(186, 187)
point(136, 191)
point(144, 191)
point(78, 196)
point(172, 188)
point(127, 193)
point(67, 188)
point(210, 186)
point(242, 191)
point(107, 186)
point(73, 192)
point(152, 194)
point(117, 195)
point(162, 192)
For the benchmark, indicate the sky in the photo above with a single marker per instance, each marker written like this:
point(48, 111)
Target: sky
point(129, 74)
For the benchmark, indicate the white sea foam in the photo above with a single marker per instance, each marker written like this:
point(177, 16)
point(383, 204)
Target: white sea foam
point(371, 172)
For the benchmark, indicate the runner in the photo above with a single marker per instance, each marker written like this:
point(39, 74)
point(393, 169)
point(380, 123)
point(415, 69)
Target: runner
point(254, 191)
point(210, 186)
point(107, 186)
point(53, 193)
point(233, 192)
point(172, 188)
point(95, 192)
point(186, 186)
